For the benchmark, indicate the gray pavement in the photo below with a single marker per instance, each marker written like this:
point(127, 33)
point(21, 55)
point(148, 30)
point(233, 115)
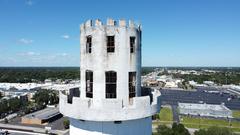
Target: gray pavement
point(16, 132)
point(175, 114)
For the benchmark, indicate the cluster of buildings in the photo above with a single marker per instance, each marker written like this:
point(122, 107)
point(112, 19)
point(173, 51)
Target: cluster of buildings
point(184, 72)
point(25, 91)
point(204, 84)
point(162, 78)
point(153, 79)
point(188, 72)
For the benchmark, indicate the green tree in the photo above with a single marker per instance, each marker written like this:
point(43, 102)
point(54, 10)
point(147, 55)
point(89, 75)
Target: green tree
point(177, 129)
point(164, 130)
point(66, 123)
point(14, 104)
point(53, 97)
point(214, 131)
point(5, 120)
point(44, 97)
point(4, 108)
point(41, 97)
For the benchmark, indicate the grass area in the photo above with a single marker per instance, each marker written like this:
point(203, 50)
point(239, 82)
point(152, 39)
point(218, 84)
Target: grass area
point(166, 114)
point(236, 113)
point(156, 123)
point(165, 117)
point(206, 123)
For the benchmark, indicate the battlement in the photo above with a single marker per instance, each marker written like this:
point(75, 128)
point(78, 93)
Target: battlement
point(110, 22)
point(110, 109)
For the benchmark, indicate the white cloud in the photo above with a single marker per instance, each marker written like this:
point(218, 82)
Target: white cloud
point(65, 36)
point(64, 54)
point(29, 2)
point(26, 41)
point(29, 54)
point(32, 58)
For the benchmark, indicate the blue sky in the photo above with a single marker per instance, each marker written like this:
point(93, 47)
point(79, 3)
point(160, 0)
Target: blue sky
point(175, 32)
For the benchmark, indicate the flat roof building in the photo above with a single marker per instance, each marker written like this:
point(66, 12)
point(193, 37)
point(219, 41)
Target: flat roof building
point(42, 116)
point(208, 110)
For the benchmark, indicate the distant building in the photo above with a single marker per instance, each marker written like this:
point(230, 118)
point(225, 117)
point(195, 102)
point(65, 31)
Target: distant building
point(23, 95)
point(48, 81)
point(209, 83)
point(20, 86)
point(60, 87)
point(171, 85)
point(40, 117)
point(193, 83)
point(209, 110)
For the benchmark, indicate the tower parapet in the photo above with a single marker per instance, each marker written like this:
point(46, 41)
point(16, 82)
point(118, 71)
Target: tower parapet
point(109, 22)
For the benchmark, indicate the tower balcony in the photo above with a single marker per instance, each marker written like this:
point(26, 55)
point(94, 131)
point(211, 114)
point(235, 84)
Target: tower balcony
point(110, 109)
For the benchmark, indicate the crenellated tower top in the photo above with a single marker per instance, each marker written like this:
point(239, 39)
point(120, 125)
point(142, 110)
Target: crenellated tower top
point(110, 67)
point(111, 22)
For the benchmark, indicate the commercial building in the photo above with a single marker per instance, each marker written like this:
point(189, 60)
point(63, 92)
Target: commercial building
point(110, 100)
point(208, 110)
point(40, 117)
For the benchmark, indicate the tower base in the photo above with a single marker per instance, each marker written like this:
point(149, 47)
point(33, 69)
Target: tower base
point(132, 127)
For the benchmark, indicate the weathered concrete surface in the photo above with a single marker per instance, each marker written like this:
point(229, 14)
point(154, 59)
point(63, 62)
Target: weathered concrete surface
point(132, 127)
point(96, 115)
point(121, 61)
point(111, 109)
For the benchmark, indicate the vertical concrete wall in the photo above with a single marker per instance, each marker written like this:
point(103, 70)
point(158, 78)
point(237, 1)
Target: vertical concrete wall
point(132, 127)
point(121, 61)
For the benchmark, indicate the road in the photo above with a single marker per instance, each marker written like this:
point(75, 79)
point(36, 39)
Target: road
point(175, 114)
point(19, 129)
point(22, 128)
point(15, 132)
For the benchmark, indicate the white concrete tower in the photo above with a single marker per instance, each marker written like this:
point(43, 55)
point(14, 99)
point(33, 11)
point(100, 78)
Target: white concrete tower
point(111, 100)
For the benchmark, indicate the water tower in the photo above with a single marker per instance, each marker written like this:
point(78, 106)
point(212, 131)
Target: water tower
point(111, 99)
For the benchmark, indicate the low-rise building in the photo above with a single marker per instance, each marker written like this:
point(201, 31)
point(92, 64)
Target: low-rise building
point(208, 110)
point(209, 83)
point(42, 116)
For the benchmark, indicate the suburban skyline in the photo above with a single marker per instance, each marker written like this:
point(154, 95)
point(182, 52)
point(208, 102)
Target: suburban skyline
point(175, 33)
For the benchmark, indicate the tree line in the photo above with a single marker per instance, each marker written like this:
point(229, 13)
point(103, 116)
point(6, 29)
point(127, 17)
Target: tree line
point(179, 129)
point(35, 74)
point(39, 74)
point(218, 77)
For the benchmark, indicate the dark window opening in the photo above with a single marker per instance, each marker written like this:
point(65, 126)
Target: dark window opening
point(111, 84)
point(89, 84)
point(73, 92)
point(117, 122)
point(132, 44)
point(89, 44)
point(110, 44)
point(132, 84)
